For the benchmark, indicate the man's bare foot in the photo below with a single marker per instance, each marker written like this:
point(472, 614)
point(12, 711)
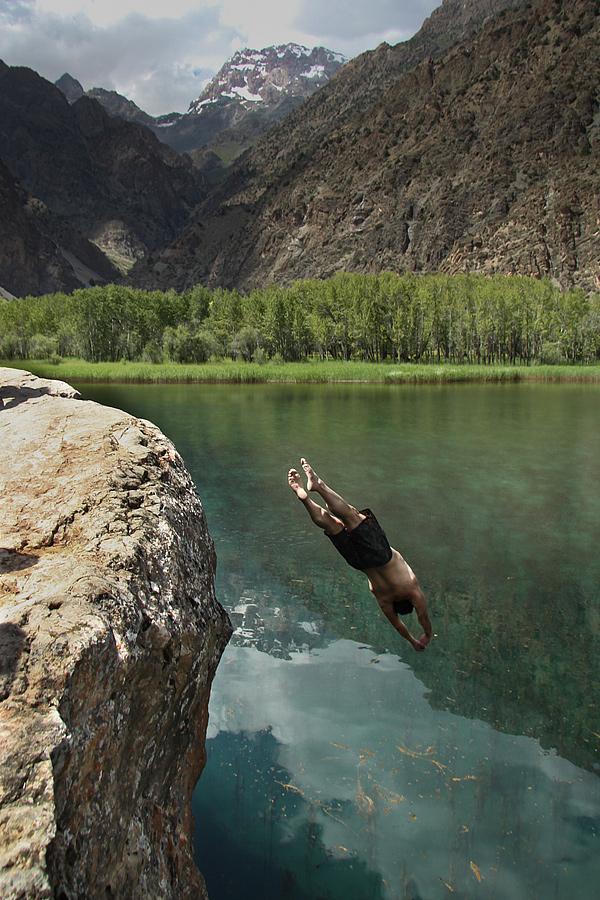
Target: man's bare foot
point(312, 479)
point(296, 485)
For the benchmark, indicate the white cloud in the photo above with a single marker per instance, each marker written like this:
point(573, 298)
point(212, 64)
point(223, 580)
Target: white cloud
point(106, 12)
point(14, 12)
point(352, 19)
point(161, 64)
point(265, 24)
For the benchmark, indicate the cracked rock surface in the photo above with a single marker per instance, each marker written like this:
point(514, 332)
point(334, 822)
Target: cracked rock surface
point(110, 635)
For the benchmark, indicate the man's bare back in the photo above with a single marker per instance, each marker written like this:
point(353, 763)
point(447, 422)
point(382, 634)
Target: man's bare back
point(391, 579)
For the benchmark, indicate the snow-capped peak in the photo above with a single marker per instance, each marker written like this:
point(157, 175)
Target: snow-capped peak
point(255, 77)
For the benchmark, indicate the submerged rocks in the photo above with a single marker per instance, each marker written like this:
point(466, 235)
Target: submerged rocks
point(110, 634)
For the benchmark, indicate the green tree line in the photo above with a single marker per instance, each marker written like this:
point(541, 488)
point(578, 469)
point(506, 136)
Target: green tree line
point(432, 318)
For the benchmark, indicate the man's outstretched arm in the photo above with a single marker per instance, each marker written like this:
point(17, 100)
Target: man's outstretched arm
point(420, 605)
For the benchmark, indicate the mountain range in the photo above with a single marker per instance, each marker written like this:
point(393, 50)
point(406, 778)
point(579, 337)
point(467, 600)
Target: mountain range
point(471, 147)
point(251, 92)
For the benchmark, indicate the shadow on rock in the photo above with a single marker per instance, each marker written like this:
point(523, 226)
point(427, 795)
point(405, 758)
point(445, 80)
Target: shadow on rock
point(11, 396)
point(11, 561)
point(12, 639)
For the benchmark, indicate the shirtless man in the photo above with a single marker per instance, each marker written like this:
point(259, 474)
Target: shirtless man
point(360, 539)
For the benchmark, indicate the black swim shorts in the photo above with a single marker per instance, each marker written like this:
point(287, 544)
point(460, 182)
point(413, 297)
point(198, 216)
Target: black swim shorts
point(366, 546)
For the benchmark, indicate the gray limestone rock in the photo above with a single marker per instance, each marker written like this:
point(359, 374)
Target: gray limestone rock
point(110, 634)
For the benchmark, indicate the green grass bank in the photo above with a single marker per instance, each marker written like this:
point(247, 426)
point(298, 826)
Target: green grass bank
point(315, 371)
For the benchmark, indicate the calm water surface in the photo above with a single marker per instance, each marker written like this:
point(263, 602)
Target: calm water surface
point(341, 764)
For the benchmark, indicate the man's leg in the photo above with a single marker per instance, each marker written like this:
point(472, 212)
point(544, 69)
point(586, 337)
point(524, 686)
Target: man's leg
point(336, 505)
point(321, 517)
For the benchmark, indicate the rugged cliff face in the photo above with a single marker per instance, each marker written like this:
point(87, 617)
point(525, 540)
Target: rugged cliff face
point(30, 262)
point(110, 634)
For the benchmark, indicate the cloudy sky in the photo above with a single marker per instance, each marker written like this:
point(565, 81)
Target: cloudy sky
point(161, 55)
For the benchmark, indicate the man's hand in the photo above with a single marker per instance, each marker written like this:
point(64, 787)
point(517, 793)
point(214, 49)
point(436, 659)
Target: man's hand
point(420, 645)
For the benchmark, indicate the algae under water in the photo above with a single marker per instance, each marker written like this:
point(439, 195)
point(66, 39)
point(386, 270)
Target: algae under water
point(341, 764)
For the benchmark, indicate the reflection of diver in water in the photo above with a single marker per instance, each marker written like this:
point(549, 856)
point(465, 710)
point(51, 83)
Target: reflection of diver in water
point(363, 544)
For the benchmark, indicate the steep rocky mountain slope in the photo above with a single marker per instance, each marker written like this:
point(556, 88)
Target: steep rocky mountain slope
point(486, 158)
point(39, 253)
point(110, 180)
point(29, 261)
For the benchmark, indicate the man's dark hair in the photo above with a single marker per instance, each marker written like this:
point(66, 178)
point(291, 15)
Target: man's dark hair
point(403, 607)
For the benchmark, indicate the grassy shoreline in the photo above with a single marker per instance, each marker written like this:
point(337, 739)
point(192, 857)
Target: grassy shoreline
point(307, 372)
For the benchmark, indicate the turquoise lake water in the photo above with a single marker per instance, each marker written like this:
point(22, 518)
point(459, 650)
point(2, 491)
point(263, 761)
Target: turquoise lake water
point(341, 764)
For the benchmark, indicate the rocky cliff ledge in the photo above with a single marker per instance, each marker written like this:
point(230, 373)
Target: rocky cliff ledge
point(110, 634)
